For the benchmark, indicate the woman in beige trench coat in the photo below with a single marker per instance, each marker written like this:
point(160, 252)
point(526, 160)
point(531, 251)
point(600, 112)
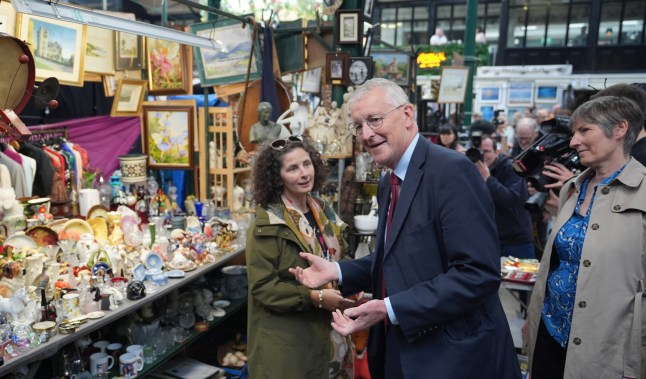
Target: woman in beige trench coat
point(586, 313)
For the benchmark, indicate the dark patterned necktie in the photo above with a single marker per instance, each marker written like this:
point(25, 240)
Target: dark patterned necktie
point(394, 195)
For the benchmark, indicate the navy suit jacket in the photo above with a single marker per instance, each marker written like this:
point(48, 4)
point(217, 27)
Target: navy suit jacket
point(441, 265)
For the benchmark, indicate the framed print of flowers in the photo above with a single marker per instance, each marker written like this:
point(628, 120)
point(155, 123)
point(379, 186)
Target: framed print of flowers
point(170, 67)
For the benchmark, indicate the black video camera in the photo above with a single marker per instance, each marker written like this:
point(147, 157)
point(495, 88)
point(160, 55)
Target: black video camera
point(554, 146)
point(495, 121)
point(473, 153)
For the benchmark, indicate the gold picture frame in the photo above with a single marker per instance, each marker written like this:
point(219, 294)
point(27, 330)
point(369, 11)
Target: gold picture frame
point(99, 50)
point(50, 41)
point(128, 98)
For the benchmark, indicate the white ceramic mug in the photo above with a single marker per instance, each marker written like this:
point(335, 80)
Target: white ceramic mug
point(114, 349)
point(128, 365)
point(101, 345)
point(138, 351)
point(100, 363)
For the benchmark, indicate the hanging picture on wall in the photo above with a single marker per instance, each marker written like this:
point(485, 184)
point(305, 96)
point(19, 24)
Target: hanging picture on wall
point(109, 85)
point(311, 80)
point(168, 134)
point(336, 68)
point(453, 85)
point(349, 26)
point(368, 6)
point(58, 47)
point(392, 65)
point(99, 50)
point(228, 61)
point(129, 51)
point(7, 18)
point(360, 70)
point(169, 67)
point(490, 94)
point(546, 94)
point(128, 97)
point(520, 94)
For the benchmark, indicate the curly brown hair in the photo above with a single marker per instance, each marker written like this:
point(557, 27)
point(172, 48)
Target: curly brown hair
point(267, 185)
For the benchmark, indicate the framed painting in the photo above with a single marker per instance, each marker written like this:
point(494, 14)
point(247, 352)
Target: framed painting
point(311, 80)
point(348, 25)
point(170, 67)
point(128, 97)
point(109, 85)
point(7, 18)
point(546, 94)
point(368, 6)
point(490, 94)
point(487, 112)
point(392, 65)
point(168, 134)
point(58, 47)
point(520, 94)
point(360, 70)
point(453, 85)
point(336, 68)
point(228, 62)
point(99, 50)
point(129, 51)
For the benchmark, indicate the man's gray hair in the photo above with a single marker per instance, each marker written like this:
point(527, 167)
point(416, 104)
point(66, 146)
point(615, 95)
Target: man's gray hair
point(393, 93)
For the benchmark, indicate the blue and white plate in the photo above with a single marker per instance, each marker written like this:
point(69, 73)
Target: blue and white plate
point(175, 274)
point(139, 272)
point(154, 261)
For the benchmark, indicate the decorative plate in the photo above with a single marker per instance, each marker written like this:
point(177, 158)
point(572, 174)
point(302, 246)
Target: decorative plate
point(95, 315)
point(139, 272)
point(21, 241)
point(42, 235)
point(221, 303)
point(186, 267)
point(101, 266)
point(175, 274)
point(154, 261)
point(97, 211)
point(73, 229)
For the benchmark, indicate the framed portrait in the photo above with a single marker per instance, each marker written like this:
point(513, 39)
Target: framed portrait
point(129, 51)
point(336, 68)
point(349, 26)
point(311, 80)
point(392, 65)
point(453, 85)
point(169, 66)
point(367, 42)
point(128, 97)
point(58, 47)
point(109, 85)
point(490, 94)
point(546, 94)
point(360, 70)
point(99, 50)
point(7, 18)
point(520, 94)
point(168, 134)
point(368, 6)
point(228, 64)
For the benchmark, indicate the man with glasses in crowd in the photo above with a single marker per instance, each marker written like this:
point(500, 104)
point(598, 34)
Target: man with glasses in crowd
point(435, 272)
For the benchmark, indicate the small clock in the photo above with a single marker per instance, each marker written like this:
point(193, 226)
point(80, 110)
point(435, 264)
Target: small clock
point(360, 70)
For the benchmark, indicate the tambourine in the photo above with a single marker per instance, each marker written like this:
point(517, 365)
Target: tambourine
point(17, 77)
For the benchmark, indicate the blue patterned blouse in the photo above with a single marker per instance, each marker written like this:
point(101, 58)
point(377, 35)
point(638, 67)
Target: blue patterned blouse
point(561, 282)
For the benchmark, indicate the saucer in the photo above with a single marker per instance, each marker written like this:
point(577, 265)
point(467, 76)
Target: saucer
point(221, 303)
point(175, 274)
point(95, 315)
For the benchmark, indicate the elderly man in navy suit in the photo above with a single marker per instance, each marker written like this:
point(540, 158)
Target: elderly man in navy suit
point(436, 269)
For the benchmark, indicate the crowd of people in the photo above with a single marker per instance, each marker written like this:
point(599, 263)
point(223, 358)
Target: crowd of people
point(433, 309)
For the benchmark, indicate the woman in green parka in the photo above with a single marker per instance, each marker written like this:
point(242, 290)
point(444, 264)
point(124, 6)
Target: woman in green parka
point(289, 325)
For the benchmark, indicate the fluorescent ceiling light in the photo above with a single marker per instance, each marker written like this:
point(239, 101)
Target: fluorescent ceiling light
point(77, 15)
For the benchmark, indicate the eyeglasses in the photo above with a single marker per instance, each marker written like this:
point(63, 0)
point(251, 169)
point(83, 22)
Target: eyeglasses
point(373, 122)
point(280, 143)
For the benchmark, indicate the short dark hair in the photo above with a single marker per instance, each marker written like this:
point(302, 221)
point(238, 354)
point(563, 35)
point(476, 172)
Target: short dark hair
point(483, 125)
point(267, 185)
point(635, 92)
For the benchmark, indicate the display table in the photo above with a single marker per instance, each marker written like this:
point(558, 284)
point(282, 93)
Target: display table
point(57, 342)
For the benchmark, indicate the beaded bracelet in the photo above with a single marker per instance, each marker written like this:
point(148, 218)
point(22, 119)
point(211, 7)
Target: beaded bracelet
point(320, 298)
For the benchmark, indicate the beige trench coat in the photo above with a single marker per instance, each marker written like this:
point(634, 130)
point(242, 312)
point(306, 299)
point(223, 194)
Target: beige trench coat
point(608, 319)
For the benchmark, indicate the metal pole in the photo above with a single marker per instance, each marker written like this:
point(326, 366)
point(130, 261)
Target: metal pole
point(469, 57)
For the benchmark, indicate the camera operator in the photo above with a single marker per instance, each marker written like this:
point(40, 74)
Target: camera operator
point(509, 192)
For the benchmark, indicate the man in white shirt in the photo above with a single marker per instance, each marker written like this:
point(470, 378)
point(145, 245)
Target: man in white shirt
point(439, 38)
